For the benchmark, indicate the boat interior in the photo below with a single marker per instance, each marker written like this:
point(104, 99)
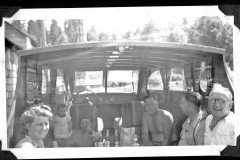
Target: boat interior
point(114, 77)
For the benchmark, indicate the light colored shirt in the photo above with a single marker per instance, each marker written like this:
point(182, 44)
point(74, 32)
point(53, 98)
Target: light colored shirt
point(61, 127)
point(223, 133)
point(193, 133)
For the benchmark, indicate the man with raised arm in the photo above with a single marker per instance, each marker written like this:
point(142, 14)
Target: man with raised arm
point(83, 137)
point(156, 121)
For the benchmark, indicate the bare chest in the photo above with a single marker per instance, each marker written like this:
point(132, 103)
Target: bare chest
point(154, 124)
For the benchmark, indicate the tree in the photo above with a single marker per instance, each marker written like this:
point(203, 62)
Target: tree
point(127, 35)
point(173, 37)
point(74, 30)
point(103, 36)
point(148, 31)
point(211, 31)
point(54, 34)
point(149, 28)
point(114, 37)
point(35, 30)
point(19, 24)
point(91, 35)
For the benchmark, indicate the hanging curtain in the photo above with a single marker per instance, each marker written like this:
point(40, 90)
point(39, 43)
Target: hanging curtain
point(53, 78)
point(197, 70)
point(68, 90)
point(71, 77)
point(166, 75)
point(140, 81)
point(163, 75)
point(163, 72)
point(209, 75)
point(143, 82)
point(188, 76)
point(66, 81)
point(167, 89)
point(39, 79)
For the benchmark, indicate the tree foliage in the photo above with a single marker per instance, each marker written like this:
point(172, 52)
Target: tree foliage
point(103, 36)
point(19, 24)
point(114, 37)
point(54, 34)
point(127, 35)
point(92, 35)
point(211, 31)
point(74, 30)
point(35, 30)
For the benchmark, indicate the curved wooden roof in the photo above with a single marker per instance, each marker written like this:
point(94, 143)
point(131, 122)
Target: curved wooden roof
point(102, 55)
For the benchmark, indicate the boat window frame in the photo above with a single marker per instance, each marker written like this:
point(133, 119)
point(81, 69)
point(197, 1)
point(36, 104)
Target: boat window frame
point(105, 79)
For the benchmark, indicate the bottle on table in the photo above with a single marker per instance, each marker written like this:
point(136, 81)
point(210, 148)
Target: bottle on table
point(135, 141)
point(95, 142)
point(100, 141)
point(116, 139)
point(55, 144)
point(107, 139)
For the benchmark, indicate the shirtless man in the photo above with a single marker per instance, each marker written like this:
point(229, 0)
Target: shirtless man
point(159, 122)
point(83, 137)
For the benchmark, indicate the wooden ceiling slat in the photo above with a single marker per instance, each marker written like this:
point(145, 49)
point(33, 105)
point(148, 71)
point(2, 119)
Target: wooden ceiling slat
point(111, 46)
point(143, 54)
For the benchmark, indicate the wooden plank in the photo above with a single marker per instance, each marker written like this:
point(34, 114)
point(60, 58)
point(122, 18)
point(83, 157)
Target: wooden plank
point(113, 45)
point(80, 59)
point(164, 54)
point(97, 68)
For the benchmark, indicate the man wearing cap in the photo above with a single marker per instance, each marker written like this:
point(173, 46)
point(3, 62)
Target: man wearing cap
point(193, 128)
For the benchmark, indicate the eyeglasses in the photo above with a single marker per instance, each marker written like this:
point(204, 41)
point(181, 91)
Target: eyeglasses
point(220, 101)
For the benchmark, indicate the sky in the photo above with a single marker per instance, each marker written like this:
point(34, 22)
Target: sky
point(121, 19)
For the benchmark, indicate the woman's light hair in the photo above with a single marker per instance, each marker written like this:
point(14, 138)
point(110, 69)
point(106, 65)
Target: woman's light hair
point(218, 88)
point(29, 115)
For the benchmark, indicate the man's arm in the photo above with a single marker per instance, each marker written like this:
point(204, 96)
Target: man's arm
point(145, 139)
point(167, 127)
point(95, 122)
point(69, 126)
point(199, 136)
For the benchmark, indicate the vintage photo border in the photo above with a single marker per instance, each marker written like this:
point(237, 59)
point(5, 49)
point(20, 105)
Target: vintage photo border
point(112, 151)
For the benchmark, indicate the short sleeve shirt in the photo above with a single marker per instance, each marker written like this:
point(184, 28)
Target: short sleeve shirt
point(223, 133)
point(193, 133)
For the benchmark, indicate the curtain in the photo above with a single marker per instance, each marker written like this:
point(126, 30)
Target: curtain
point(163, 75)
point(53, 78)
point(132, 114)
point(66, 81)
point(71, 77)
point(39, 77)
point(188, 76)
point(209, 75)
point(143, 82)
point(197, 70)
point(167, 89)
point(166, 75)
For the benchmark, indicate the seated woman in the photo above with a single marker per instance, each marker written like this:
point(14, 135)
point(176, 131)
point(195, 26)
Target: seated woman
point(220, 124)
point(62, 125)
point(35, 126)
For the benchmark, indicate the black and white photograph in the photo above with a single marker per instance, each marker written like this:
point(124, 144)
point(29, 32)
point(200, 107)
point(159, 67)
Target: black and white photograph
point(131, 81)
